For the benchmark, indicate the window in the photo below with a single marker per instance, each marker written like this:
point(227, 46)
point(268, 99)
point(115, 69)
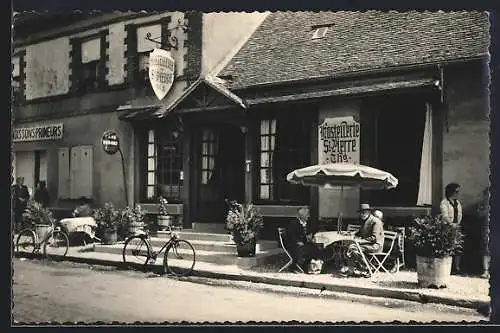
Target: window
point(144, 47)
point(267, 145)
point(320, 33)
point(164, 165)
point(16, 79)
point(91, 60)
point(208, 152)
point(284, 146)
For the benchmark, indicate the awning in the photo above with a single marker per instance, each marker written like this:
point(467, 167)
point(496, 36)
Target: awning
point(156, 111)
point(345, 91)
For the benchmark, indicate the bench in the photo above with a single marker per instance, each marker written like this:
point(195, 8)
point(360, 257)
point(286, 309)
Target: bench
point(278, 210)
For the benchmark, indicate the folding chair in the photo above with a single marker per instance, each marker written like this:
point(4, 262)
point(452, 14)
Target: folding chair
point(353, 227)
point(282, 235)
point(377, 260)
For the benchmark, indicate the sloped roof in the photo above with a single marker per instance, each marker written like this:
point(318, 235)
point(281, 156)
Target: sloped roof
point(282, 49)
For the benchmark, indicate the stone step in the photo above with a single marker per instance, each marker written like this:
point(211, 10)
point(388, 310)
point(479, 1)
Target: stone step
point(226, 247)
point(216, 228)
point(220, 258)
point(192, 236)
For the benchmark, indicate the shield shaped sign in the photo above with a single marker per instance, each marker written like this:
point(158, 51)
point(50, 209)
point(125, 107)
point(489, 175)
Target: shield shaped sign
point(161, 72)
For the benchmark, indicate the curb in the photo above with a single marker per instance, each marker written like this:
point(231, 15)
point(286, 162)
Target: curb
point(413, 296)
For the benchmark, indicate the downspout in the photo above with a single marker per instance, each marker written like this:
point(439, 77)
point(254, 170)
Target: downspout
point(441, 88)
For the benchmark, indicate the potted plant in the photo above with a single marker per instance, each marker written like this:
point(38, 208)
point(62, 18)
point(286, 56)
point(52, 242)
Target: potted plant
point(435, 242)
point(133, 219)
point(39, 216)
point(82, 211)
point(108, 220)
point(245, 224)
point(164, 219)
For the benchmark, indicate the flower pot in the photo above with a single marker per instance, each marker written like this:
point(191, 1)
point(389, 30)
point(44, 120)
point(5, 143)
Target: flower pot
point(165, 221)
point(134, 228)
point(41, 231)
point(433, 272)
point(246, 249)
point(109, 237)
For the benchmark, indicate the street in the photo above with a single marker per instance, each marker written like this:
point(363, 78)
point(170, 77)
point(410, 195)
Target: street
point(67, 292)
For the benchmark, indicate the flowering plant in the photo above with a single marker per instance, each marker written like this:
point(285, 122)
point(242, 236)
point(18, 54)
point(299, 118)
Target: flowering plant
point(433, 237)
point(35, 213)
point(108, 217)
point(244, 222)
point(163, 206)
point(133, 216)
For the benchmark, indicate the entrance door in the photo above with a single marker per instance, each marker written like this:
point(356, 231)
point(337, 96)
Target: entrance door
point(221, 172)
point(25, 167)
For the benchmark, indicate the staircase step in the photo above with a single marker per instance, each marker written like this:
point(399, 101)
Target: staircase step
point(221, 258)
point(226, 247)
point(217, 228)
point(192, 236)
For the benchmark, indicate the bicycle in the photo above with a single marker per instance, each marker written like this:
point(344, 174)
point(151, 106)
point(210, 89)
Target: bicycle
point(179, 257)
point(55, 242)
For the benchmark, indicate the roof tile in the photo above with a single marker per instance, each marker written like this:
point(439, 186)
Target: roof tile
point(282, 49)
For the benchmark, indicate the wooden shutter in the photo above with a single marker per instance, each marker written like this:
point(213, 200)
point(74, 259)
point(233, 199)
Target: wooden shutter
point(64, 175)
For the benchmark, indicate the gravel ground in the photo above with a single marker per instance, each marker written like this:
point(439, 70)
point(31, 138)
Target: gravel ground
point(463, 286)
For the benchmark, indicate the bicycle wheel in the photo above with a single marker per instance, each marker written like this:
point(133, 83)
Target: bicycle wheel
point(180, 258)
point(136, 252)
point(25, 242)
point(56, 245)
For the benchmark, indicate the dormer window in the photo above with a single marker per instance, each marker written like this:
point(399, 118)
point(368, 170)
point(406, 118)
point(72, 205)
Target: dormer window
point(319, 31)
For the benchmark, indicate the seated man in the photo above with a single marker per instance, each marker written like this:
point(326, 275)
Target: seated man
point(299, 243)
point(370, 238)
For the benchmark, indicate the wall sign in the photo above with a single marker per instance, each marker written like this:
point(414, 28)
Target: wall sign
point(339, 140)
point(110, 142)
point(38, 133)
point(161, 72)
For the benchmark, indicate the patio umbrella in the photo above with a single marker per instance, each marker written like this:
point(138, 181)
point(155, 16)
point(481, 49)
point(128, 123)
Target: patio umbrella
point(340, 175)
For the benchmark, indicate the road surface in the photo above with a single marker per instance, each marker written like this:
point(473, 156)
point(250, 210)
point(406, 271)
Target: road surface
point(67, 292)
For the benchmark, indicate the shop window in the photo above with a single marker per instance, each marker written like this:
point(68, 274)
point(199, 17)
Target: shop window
point(90, 75)
point(284, 146)
point(208, 153)
point(164, 165)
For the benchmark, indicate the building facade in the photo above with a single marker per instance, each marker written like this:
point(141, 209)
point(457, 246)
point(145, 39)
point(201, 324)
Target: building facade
point(254, 97)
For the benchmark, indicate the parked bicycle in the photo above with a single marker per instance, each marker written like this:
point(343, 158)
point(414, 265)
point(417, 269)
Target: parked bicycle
point(179, 257)
point(55, 241)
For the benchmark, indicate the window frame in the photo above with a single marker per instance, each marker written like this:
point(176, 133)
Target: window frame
point(211, 140)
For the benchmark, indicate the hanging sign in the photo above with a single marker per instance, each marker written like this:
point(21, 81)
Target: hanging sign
point(161, 72)
point(339, 140)
point(110, 142)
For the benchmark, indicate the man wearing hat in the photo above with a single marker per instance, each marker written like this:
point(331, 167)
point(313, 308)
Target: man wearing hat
point(370, 238)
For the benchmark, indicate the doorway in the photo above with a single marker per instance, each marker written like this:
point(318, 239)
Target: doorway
point(221, 173)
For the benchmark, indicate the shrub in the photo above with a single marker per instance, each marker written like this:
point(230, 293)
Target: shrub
point(433, 237)
point(107, 217)
point(133, 215)
point(82, 211)
point(35, 213)
point(244, 222)
point(163, 206)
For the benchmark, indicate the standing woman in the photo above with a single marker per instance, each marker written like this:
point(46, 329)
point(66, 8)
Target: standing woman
point(451, 211)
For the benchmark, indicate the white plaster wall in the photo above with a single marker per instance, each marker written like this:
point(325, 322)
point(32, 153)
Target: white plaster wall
point(224, 34)
point(116, 51)
point(329, 199)
point(47, 68)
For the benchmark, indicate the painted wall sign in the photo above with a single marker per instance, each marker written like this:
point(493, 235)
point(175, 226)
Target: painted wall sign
point(38, 133)
point(161, 72)
point(110, 142)
point(339, 140)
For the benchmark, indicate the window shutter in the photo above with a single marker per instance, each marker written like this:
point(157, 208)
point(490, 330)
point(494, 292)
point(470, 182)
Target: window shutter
point(63, 172)
point(131, 53)
point(76, 61)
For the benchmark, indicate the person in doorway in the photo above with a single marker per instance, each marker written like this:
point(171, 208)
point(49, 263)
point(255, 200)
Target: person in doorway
point(21, 196)
point(369, 238)
point(42, 194)
point(483, 213)
point(451, 212)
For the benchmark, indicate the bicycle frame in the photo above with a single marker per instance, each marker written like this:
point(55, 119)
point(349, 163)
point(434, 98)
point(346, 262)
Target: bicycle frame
point(154, 254)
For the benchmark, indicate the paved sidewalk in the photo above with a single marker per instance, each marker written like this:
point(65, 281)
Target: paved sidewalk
point(463, 291)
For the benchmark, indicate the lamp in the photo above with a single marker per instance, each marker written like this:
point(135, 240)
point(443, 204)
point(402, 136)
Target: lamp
point(244, 129)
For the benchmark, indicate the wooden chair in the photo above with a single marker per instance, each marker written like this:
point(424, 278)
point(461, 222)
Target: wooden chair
point(282, 236)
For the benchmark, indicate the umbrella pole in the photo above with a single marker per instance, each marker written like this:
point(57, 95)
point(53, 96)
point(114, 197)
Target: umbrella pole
point(339, 220)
